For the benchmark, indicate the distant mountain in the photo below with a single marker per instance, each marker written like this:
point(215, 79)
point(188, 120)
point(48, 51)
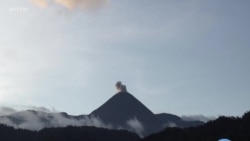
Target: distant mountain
point(233, 128)
point(38, 120)
point(123, 109)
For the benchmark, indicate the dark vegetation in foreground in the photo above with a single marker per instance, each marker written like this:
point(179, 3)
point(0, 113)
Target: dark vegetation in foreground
point(233, 128)
point(66, 134)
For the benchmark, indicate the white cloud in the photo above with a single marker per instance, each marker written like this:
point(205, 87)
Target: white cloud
point(33, 120)
point(136, 126)
point(6, 111)
point(40, 117)
point(170, 124)
point(198, 117)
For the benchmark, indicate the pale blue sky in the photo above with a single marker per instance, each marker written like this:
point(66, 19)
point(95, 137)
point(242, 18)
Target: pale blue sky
point(175, 56)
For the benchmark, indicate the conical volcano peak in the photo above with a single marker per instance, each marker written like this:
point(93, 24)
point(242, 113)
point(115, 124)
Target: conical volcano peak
point(126, 111)
point(120, 87)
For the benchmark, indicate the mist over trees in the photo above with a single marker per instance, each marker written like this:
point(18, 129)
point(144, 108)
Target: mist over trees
point(233, 128)
point(69, 133)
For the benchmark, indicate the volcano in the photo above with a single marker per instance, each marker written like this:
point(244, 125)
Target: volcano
point(123, 110)
point(124, 107)
point(121, 107)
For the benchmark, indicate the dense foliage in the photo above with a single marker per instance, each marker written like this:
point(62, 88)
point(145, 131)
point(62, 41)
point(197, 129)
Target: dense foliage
point(234, 128)
point(66, 134)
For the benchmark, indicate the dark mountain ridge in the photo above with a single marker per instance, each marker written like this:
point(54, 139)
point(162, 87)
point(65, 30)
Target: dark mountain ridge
point(123, 107)
point(233, 128)
point(66, 134)
point(121, 111)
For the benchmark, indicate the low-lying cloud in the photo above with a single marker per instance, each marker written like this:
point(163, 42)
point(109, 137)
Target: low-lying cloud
point(6, 111)
point(37, 120)
point(136, 126)
point(197, 117)
point(72, 4)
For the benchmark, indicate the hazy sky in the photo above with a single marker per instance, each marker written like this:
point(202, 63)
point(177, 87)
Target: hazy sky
point(184, 57)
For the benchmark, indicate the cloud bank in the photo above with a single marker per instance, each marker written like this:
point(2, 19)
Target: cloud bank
point(136, 126)
point(197, 117)
point(72, 4)
point(40, 118)
point(34, 120)
point(6, 111)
